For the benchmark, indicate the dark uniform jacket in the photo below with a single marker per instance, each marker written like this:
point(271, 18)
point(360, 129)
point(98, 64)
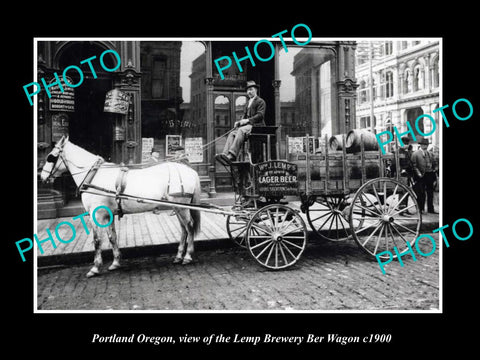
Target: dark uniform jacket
point(420, 162)
point(256, 112)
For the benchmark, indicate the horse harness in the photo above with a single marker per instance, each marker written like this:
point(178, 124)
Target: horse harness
point(90, 175)
point(121, 183)
point(182, 193)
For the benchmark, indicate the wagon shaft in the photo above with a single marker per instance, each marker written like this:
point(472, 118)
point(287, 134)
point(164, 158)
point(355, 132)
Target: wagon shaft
point(202, 207)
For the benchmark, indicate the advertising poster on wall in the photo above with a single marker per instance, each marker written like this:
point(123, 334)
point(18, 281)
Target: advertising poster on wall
point(194, 149)
point(116, 101)
point(147, 146)
point(172, 144)
point(62, 99)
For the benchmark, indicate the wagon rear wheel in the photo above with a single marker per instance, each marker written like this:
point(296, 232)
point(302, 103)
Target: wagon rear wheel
point(276, 236)
point(388, 214)
point(326, 217)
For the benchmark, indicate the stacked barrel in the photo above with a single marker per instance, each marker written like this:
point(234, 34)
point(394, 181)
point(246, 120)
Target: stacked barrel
point(327, 165)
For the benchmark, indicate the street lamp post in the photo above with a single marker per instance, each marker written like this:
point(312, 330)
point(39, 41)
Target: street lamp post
point(370, 57)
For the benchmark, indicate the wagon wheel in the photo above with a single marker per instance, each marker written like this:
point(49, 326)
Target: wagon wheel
point(237, 228)
point(276, 236)
point(327, 218)
point(389, 216)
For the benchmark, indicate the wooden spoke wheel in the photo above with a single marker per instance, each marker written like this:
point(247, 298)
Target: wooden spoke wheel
point(237, 229)
point(276, 236)
point(326, 217)
point(385, 214)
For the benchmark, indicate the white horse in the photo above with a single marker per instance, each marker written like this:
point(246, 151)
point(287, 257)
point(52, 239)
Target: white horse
point(158, 182)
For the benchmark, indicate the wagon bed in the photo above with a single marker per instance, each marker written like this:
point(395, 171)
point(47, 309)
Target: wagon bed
point(344, 195)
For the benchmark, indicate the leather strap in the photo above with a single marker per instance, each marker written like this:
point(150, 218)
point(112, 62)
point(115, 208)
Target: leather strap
point(90, 175)
point(120, 184)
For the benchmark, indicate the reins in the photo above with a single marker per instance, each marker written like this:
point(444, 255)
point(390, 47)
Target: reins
point(207, 145)
point(173, 159)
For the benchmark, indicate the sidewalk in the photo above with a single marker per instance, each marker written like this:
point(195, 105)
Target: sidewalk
point(147, 234)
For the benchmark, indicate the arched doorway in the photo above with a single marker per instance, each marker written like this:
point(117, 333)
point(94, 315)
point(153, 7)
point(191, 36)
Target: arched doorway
point(88, 125)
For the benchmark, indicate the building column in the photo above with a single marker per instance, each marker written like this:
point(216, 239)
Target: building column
point(44, 134)
point(426, 109)
point(276, 83)
point(346, 87)
point(426, 71)
point(210, 118)
point(127, 128)
point(400, 85)
point(278, 123)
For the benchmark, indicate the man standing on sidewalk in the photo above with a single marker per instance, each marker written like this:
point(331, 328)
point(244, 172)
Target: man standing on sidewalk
point(424, 175)
point(254, 115)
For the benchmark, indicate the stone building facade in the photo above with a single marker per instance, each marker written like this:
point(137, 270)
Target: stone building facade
point(404, 78)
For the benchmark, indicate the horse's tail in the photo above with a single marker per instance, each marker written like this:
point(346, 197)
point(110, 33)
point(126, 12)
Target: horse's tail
point(196, 214)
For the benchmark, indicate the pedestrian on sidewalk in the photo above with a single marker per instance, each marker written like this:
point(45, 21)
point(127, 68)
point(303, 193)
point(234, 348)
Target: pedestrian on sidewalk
point(424, 176)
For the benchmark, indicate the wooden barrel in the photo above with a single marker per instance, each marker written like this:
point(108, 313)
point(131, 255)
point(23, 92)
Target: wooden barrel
point(335, 142)
point(335, 168)
point(318, 168)
point(352, 141)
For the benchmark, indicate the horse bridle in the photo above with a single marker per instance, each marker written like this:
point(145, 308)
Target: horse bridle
point(54, 159)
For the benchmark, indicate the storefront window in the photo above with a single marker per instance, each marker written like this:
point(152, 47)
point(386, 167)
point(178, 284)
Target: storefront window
point(240, 102)
point(222, 121)
point(173, 99)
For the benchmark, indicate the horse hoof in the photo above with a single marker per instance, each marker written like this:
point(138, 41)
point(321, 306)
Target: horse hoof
point(91, 274)
point(186, 261)
point(114, 267)
point(177, 260)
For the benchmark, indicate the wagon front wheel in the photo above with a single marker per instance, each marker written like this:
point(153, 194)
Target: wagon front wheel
point(276, 236)
point(237, 229)
point(385, 214)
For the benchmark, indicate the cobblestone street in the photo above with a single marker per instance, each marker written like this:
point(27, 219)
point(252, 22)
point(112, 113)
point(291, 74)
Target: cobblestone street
point(329, 276)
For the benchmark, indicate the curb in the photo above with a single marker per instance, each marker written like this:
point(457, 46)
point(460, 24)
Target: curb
point(86, 257)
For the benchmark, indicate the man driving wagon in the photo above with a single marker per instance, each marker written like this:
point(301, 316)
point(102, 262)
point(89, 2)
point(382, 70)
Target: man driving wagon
point(254, 115)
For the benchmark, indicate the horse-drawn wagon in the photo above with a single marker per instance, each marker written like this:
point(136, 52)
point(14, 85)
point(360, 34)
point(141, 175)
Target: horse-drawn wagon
point(345, 192)
point(343, 195)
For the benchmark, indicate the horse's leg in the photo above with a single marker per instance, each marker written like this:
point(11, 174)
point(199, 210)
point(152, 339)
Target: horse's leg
point(187, 259)
point(181, 245)
point(112, 236)
point(97, 261)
